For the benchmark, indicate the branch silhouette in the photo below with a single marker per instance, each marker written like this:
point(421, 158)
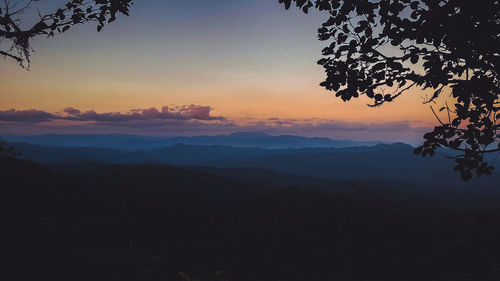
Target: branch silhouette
point(441, 45)
point(72, 13)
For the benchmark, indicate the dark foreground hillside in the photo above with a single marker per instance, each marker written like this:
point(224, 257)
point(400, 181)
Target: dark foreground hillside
point(150, 222)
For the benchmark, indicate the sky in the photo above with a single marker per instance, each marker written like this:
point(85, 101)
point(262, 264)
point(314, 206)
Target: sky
point(176, 67)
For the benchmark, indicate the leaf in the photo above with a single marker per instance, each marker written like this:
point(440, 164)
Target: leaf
point(418, 150)
point(65, 28)
point(378, 66)
point(396, 42)
point(287, 3)
point(414, 5)
point(456, 122)
point(466, 175)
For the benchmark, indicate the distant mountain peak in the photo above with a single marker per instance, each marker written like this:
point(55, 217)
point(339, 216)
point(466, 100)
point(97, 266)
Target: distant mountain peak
point(249, 134)
point(399, 145)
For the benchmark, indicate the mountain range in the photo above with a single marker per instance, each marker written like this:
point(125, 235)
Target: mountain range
point(126, 214)
point(394, 162)
point(135, 142)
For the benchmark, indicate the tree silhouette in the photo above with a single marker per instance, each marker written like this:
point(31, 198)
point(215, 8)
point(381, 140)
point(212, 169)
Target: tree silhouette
point(72, 13)
point(7, 150)
point(383, 48)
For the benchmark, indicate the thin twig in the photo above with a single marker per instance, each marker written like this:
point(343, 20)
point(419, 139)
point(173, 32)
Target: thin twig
point(437, 117)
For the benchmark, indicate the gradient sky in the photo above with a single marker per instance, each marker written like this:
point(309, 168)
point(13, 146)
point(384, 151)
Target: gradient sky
point(251, 62)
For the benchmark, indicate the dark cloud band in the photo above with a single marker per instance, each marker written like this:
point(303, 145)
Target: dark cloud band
point(26, 116)
point(186, 112)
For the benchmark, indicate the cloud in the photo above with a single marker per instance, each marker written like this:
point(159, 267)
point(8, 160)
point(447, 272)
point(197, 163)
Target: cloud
point(186, 112)
point(25, 116)
point(72, 111)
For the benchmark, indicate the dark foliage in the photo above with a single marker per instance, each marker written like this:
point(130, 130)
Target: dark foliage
point(383, 48)
point(7, 150)
point(145, 222)
point(73, 12)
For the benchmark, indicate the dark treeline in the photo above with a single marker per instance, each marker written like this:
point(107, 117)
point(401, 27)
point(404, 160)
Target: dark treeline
point(145, 222)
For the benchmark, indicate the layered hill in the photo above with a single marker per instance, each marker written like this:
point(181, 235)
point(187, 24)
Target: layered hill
point(134, 142)
point(394, 162)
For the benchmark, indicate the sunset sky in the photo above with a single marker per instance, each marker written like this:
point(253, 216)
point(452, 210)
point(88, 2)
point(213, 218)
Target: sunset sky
point(219, 66)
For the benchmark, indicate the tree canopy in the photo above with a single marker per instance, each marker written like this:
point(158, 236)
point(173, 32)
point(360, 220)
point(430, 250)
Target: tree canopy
point(7, 150)
point(383, 48)
point(73, 12)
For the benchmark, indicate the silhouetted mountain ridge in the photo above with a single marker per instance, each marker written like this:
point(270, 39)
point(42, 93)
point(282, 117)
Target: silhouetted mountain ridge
point(394, 162)
point(135, 142)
